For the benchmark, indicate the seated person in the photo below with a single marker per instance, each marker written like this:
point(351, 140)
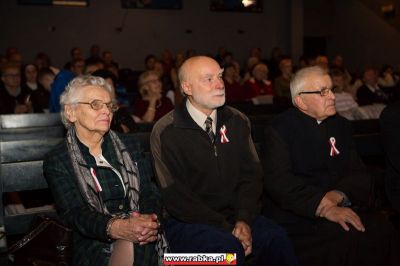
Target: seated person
point(316, 186)
point(210, 175)
point(282, 82)
point(371, 92)
point(101, 184)
point(153, 105)
point(234, 90)
point(14, 98)
point(390, 126)
point(345, 104)
point(39, 95)
point(258, 84)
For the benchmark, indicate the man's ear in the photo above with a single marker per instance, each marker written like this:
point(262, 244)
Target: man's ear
point(70, 113)
point(300, 103)
point(186, 88)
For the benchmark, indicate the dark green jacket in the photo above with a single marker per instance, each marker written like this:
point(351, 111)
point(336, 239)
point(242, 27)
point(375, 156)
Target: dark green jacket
point(91, 246)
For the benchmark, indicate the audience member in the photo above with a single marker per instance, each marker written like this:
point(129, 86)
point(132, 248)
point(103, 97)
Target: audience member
point(94, 54)
point(42, 60)
point(282, 82)
point(234, 91)
point(78, 66)
point(101, 183)
point(210, 175)
point(39, 95)
point(14, 99)
point(179, 59)
point(322, 61)
point(108, 60)
point(61, 80)
point(165, 78)
point(149, 62)
point(273, 62)
point(250, 64)
point(390, 126)
point(345, 104)
point(387, 77)
point(45, 78)
point(30, 72)
point(122, 121)
point(93, 65)
point(152, 105)
point(258, 84)
point(316, 185)
point(76, 54)
point(371, 92)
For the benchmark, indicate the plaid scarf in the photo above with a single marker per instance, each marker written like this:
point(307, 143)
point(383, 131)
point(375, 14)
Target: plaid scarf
point(130, 176)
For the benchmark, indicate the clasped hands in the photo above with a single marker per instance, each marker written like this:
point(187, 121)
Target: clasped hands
point(138, 228)
point(242, 232)
point(328, 208)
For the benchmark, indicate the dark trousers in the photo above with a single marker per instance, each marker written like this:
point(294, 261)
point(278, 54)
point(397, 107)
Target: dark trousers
point(271, 246)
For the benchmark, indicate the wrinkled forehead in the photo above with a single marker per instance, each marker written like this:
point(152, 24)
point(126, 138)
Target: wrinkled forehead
point(90, 93)
point(317, 82)
point(208, 69)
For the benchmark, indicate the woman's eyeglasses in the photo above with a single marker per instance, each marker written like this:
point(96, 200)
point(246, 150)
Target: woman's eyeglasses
point(98, 104)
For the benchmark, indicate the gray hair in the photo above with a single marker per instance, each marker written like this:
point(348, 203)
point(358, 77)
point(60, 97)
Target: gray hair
point(301, 77)
point(75, 88)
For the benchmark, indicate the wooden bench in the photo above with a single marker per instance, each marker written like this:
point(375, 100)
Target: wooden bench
point(21, 170)
point(30, 126)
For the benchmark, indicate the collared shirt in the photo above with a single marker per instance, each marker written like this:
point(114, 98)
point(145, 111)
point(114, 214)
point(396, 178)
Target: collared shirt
point(199, 117)
point(374, 88)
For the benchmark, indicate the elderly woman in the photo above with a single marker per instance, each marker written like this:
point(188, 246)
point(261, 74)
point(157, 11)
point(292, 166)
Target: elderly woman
point(153, 105)
point(101, 184)
point(258, 84)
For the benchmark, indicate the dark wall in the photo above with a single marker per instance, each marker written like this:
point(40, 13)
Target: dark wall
point(56, 29)
point(353, 30)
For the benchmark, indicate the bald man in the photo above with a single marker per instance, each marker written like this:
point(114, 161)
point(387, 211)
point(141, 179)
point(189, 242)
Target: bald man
point(210, 175)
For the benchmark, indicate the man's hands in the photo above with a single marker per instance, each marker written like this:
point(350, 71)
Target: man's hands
point(342, 216)
point(328, 208)
point(331, 199)
point(138, 228)
point(242, 232)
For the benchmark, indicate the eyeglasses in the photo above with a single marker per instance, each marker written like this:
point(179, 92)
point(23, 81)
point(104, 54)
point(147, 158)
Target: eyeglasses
point(322, 92)
point(98, 105)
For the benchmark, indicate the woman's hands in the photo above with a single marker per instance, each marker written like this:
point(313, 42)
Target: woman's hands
point(138, 228)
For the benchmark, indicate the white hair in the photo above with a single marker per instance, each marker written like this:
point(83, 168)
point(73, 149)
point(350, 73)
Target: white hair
point(75, 88)
point(301, 77)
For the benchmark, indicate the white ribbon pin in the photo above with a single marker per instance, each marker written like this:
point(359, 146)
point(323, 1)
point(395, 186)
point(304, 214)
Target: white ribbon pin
point(96, 181)
point(334, 151)
point(222, 132)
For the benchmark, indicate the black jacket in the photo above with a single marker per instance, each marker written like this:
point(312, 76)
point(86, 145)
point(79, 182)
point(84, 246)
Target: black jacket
point(204, 183)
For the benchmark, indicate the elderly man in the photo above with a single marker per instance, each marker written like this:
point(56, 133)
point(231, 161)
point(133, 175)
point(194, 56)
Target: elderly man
point(14, 99)
point(317, 187)
point(210, 175)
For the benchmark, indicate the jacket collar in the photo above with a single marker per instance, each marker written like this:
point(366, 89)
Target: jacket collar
point(182, 118)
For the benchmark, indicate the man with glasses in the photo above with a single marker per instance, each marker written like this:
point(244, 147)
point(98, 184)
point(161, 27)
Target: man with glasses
point(317, 188)
point(14, 99)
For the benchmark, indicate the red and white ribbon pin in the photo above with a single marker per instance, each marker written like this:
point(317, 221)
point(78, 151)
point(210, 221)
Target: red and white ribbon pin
point(222, 132)
point(334, 151)
point(96, 182)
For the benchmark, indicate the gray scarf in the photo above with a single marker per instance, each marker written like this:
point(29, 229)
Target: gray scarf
point(129, 173)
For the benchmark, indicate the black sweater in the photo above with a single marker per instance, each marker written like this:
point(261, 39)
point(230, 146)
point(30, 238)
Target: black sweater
point(204, 183)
